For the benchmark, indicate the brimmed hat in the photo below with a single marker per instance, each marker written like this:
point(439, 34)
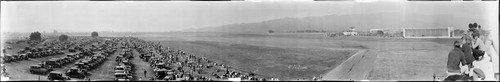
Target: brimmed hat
point(470, 25)
point(457, 43)
point(474, 25)
point(479, 73)
point(475, 34)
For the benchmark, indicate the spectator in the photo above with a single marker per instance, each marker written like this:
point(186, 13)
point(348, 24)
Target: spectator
point(145, 72)
point(478, 46)
point(467, 49)
point(493, 53)
point(456, 60)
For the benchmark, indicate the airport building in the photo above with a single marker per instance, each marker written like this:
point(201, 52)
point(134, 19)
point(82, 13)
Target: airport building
point(427, 32)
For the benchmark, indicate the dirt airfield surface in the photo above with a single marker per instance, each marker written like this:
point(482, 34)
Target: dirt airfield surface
point(378, 59)
point(301, 56)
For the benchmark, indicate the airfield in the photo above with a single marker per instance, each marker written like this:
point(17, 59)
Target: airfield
point(315, 55)
point(289, 56)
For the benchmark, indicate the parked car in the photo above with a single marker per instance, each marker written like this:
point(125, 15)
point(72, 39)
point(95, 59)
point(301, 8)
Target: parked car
point(8, 58)
point(82, 66)
point(122, 69)
point(54, 63)
point(76, 72)
point(72, 50)
point(37, 69)
point(57, 75)
point(122, 77)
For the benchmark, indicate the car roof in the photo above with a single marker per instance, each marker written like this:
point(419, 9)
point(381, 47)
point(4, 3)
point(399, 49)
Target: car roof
point(58, 72)
point(35, 66)
point(162, 70)
point(120, 74)
point(120, 66)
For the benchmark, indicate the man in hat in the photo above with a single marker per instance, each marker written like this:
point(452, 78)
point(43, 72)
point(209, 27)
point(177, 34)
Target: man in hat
point(467, 48)
point(456, 60)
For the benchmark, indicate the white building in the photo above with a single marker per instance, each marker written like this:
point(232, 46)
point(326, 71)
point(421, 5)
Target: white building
point(427, 32)
point(350, 32)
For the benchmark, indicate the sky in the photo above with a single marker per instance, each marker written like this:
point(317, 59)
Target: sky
point(167, 16)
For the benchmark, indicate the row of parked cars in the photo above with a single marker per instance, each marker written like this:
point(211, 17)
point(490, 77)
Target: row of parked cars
point(30, 52)
point(93, 58)
point(7, 58)
point(124, 70)
point(46, 67)
point(90, 61)
point(85, 59)
point(162, 70)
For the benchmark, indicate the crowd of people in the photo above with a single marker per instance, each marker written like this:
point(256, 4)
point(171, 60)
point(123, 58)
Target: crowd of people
point(473, 56)
point(186, 66)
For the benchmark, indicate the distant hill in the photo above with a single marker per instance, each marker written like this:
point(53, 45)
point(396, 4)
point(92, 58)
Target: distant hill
point(343, 22)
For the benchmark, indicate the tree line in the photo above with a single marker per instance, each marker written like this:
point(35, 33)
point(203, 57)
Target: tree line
point(37, 36)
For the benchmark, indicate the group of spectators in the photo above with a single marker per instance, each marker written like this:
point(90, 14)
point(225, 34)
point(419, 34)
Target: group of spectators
point(187, 66)
point(474, 55)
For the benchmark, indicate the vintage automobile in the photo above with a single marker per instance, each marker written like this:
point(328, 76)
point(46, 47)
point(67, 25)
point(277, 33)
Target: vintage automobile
point(76, 55)
point(27, 48)
point(21, 51)
point(76, 72)
point(72, 50)
point(37, 69)
point(43, 65)
point(89, 64)
point(8, 58)
point(16, 57)
point(82, 65)
point(67, 60)
point(31, 55)
point(169, 78)
point(161, 73)
point(97, 59)
point(147, 56)
point(122, 77)
point(23, 56)
point(57, 75)
point(122, 69)
point(71, 58)
point(159, 65)
point(59, 52)
point(126, 62)
point(54, 63)
point(8, 47)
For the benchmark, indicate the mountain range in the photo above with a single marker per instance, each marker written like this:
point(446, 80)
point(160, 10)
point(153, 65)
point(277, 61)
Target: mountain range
point(362, 22)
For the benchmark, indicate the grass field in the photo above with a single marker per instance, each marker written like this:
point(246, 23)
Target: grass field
point(284, 63)
point(271, 54)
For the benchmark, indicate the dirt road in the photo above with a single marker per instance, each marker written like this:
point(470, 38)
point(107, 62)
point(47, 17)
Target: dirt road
point(141, 66)
point(395, 60)
point(105, 72)
point(356, 67)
